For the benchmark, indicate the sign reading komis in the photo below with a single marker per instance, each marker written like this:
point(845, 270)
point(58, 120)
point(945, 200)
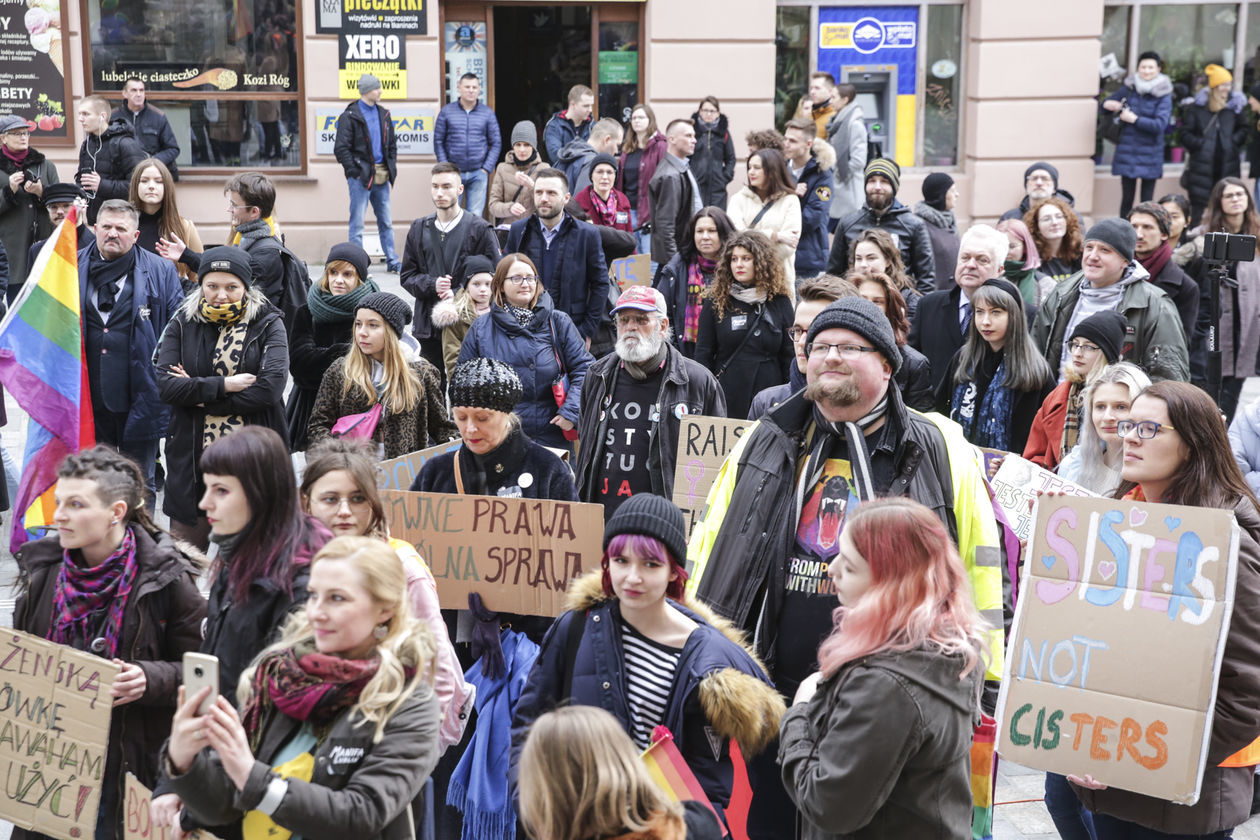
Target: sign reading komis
point(1109, 588)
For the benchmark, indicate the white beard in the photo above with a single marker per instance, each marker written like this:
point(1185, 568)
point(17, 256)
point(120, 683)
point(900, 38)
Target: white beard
point(638, 350)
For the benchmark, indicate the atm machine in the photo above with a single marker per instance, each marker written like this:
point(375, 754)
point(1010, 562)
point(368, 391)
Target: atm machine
point(876, 86)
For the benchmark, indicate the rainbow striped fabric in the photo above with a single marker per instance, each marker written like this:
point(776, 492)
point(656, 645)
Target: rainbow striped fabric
point(42, 365)
point(668, 768)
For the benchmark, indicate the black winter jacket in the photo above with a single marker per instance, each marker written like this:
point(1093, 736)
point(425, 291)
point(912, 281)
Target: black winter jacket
point(746, 367)
point(1215, 143)
point(505, 469)
point(112, 155)
point(191, 343)
point(671, 282)
point(687, 387)
point(162, 621)
point(907, 230)
point(154, 132)
point(713, 161)
point(914, 378)
point(23, 218)
point(422, 264)
point(353, 147)
point(578, 284)
point(1180, 286)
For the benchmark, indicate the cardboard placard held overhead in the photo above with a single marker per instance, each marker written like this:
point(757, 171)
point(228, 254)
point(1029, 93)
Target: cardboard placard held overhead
point(54, 731)
point(137, 822)
point(518, 554)
point(634, 270)
point(1017, 483)
point(398, 473)
point(1116, 596)
point(703, 443)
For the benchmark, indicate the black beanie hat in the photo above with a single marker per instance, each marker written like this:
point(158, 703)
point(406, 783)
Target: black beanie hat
point(477, 264)
point(485, 383)
point(935, 186)
point(353, 254)
point(1042, 165)
point(389, 306)
point(864, 318)
point(227, 258)
point(1106, 329)
point(651, 516)
point(1115, 233)
point(603, 158)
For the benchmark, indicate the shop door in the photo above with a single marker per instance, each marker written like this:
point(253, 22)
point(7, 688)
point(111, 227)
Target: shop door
point(539, 53)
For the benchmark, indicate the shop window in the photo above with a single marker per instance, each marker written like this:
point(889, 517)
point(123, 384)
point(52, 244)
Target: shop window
point(1189, 38)
point(942, 86)
point(1112, 69)
point(226, 72)
point(792, 47)
point(1252, 46)
point(618, 71)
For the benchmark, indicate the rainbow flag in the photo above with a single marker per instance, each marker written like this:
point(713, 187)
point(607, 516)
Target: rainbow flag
point(42, 365)
point(666, 765)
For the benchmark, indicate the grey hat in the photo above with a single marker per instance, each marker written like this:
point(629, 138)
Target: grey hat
point(389, 306)
point(485, 383)
point(11, 122)
point(864, 318)
point(227, 258)
point(525, 132)
point(1116, 234)
point(368, 83)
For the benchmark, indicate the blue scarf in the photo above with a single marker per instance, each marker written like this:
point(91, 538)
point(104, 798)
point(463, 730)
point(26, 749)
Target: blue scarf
point(993, 429)
point(479, 785)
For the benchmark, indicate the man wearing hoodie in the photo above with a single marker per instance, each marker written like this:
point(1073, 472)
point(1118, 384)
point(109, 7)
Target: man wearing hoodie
point(1041, 180)
point(1110, 278)
point(571, 123)
point(846, 131)
point(109, 152)
point(576, 156)
point(884, 211)
point(811, 161)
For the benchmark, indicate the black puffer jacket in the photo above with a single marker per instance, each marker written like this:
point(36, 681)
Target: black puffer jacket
point(907, 230)
point(112, 155)
point(1215, 143)
point(713, 161)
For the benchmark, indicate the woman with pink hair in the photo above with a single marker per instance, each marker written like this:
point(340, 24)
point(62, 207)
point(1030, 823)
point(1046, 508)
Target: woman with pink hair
point(1023, 263)
point(877, 743)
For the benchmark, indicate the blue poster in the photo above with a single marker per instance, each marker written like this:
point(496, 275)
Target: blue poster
point(870, 35)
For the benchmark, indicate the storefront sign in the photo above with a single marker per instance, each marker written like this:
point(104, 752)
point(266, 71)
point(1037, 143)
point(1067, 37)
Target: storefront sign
point(412, 126)
point(465, 53)
point(1110, 589)
point(518, 554)
point(54, 729)
point(703, 444)
point(32, 68)
point(382, 55)
point(617, 67)
point(406, 17)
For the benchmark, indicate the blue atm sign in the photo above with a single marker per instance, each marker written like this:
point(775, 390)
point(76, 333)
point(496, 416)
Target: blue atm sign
point(868, 35)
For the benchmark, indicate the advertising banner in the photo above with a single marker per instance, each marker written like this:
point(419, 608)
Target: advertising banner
point(412, 126)
point(405, 17)
point(33, 56)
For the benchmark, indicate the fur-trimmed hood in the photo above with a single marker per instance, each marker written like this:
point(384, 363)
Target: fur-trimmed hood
point(737, 705)
point(824, 153)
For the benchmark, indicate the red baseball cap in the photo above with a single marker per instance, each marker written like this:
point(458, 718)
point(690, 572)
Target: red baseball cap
point(642, 298)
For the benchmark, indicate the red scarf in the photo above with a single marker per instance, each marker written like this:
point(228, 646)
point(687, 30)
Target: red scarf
point(605, 212)
point(14, 156)
point(1155, 261)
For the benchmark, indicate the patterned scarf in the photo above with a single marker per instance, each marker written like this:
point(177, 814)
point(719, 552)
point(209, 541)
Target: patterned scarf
point(251, 232)
point(989, 423)
point(83, 593)
point(522, 314)
point(1072, 419)
point(605, 211)
point(327, 308)
point(699, 271)
point(305, 685)
point(228, 349)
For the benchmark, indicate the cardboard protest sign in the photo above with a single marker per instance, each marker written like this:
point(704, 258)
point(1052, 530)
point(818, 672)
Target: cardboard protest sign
point(1017, 484)
point(1109, 588)
point(703, 443)
point(54, 730)
point(398, 473)
point(634, 270)
point(518, 554)
point(137, 823)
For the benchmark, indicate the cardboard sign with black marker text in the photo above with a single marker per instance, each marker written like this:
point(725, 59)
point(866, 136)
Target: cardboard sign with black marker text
point(703, 444)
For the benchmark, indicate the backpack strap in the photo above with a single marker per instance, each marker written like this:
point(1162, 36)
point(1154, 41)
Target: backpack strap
point(572, 640)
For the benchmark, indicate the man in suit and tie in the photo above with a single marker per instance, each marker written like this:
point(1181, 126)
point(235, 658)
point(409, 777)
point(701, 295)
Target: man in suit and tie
point(940, 327)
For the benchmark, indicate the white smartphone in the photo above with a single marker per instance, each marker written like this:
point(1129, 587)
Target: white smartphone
point(200, 670)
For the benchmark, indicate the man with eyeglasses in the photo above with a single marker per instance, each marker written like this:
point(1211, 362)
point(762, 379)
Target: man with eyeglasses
point(24, 174)
point(633, 403)
point(1111, 279)
point(774, 518)
point(940, 324)
point(1041, 181)
point(434, 255)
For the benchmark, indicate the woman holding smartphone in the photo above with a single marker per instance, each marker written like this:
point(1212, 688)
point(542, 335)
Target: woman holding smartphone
point(112, 583)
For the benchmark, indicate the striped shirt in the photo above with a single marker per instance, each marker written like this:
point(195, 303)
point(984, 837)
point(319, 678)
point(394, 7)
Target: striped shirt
point(650, 670)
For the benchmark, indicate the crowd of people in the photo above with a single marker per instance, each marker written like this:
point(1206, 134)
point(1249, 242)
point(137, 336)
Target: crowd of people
point(839, 609)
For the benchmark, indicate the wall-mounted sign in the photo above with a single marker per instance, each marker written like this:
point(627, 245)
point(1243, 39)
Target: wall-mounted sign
point(32, 68)
point(407, 17)
point(465, 53)
point(412, 126)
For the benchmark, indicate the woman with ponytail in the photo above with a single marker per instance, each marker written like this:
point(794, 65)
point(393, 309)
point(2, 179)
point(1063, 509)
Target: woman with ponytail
point(112, 583)
point(877, 743)
point(338, 727)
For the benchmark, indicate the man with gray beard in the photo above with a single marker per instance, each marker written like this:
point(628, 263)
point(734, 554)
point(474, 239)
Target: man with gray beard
point(633, 402)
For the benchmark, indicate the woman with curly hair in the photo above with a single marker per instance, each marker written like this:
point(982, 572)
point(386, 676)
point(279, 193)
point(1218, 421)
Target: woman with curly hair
point(744, 321)
point(914, 377)
point(1056, 231)
point(875, 252)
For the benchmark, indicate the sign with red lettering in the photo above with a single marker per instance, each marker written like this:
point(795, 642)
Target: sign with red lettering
point(1110, 587)
point(518, 554)
point(138, 824)
point(54, 730)
point(703, 443)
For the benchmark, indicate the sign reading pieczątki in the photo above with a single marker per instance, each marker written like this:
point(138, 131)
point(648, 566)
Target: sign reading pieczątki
point(518, 554)
point(1116, 649)
point(54, 731)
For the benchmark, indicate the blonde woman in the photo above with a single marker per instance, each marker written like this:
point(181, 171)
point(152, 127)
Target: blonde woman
point(383, 365)
point(582, 779)
point(338, 728)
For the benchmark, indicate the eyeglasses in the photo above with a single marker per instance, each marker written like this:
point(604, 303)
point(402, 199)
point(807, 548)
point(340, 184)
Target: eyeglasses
point(522, 279)
point(1083, 347)
point(798, 333)
point(1146, 429)
point(848, 352)
point(232, 206)
point(19, 132)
